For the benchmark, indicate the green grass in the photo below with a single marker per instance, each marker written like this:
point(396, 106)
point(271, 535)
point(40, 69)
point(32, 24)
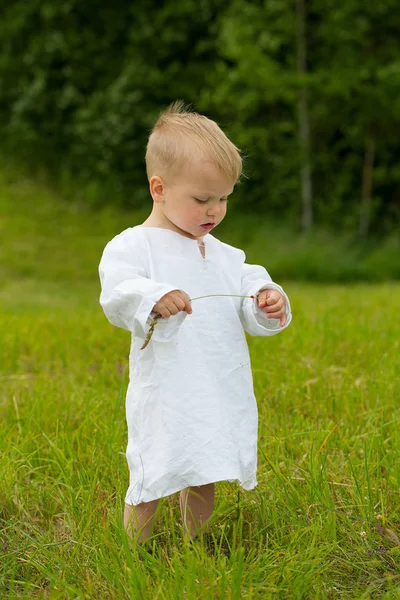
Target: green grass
point(36, 223)
point(324, 521)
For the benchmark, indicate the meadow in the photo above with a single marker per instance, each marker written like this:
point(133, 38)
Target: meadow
point(324, 521)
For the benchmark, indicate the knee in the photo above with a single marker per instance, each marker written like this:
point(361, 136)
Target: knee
point(206, 487)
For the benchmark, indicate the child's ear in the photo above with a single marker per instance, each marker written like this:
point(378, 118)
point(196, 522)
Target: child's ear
point(157, 188)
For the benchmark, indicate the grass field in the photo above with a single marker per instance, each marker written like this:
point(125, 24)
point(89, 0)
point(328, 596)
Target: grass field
point(324, 521)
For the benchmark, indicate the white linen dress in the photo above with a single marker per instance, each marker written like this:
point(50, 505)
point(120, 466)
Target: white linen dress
point(190, 405)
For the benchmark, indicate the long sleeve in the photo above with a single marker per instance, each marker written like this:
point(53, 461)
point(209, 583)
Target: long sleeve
point(128, 295)
point(255, 279)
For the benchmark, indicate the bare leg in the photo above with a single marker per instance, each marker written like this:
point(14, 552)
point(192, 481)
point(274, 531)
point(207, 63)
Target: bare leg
point(197, 505)
point(139, 520)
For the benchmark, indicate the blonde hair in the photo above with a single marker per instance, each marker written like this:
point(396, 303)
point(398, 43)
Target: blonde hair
point(167, 148)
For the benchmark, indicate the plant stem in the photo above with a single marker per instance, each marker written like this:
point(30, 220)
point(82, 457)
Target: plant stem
point(226, 295)
point(154, 322)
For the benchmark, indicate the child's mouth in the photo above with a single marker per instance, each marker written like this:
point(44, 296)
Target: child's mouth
point(208, 225)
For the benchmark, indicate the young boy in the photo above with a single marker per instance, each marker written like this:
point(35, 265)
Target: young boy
point(190, 406)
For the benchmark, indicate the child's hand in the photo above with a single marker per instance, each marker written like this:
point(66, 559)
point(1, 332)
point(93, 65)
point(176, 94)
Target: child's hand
point(273, 304)
point(172, 303)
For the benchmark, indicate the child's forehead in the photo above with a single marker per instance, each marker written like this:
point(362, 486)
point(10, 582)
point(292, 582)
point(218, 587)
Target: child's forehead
point(206, 175)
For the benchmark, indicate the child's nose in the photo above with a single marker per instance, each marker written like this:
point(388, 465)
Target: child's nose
point(214, 209)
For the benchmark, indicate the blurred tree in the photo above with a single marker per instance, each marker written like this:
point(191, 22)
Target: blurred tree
point(81, 85)
point(168, 51)
point(304, 121)
point(260, 86)
point(252, 88)
point(356, 55)
point(54, 56)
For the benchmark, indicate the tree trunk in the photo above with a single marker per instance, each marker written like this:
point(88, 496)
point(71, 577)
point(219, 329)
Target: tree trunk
point(304, 123)
point(367, 185)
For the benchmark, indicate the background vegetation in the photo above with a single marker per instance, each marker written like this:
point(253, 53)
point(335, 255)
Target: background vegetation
point(309, 89)
point(324, 522)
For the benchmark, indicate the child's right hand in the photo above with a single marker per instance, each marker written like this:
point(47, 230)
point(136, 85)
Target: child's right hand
point(172, 303)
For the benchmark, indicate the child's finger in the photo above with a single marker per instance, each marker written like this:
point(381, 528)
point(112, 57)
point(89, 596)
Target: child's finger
point(187, 305)
point(164, 311)
point(273, 298)
point(171, 306)
point(262, 300)
point(179, 304)
point(275, 310)
point(276, 305)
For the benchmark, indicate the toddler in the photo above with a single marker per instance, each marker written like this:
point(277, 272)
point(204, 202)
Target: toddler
point(190, 405)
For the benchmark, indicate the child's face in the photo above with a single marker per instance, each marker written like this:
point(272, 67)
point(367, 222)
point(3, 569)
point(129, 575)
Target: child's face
point(194, 202)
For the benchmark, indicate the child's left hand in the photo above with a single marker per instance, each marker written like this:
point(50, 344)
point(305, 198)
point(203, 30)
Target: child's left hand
point(273, 304)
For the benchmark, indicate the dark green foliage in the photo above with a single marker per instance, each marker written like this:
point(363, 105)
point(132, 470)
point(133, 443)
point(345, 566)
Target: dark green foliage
point(81, 84)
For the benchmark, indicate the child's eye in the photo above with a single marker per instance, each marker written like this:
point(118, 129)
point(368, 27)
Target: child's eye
point(200, 201)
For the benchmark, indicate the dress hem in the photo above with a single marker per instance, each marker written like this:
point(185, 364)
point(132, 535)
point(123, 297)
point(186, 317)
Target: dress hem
point(246, 486)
